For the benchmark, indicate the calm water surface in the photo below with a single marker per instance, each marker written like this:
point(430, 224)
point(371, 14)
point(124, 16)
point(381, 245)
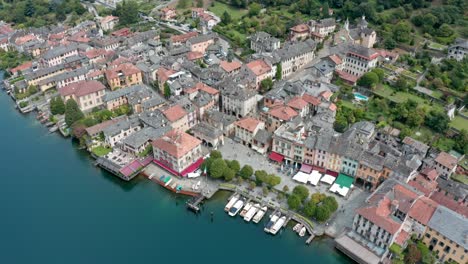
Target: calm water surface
point(56, 207)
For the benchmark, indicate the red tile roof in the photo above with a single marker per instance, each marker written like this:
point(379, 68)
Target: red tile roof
point(446, 160)
point(423, 209)
point(380, 215)
point(347, 77)
point(176, 143)
point(206, 88)
point(93, 53)
point(311, 99)
point(174, 113)
point(297, 103)
point(332, 107)
point(326, 95)
point(25, 39)
point(122, 32)
point(448, 202)
point(301, 28)
point(230, 66)
point(184, 37)
point(336, 59)
point(194, 55)
point(248, 123)
point(423, 185)
point(402, 237)
point(22, 67)
point(163, 74)
point(127, 69)
point(81, 88)
point(108, 19)
point(258, 67)
point(283, 112)
point(404, 196)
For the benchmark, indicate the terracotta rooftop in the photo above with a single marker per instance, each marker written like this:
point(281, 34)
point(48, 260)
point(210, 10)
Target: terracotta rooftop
point(81, 88)
point(332, 107)
point(423, 185)
point(404, 196)
point(22, 67)
point(258, 67)
point(108, 19)
point(24, 39)
point(93, 53)
point(174, 113)
point(380, 215)
point(423, 209)
point(347, 77)
point(248, 123)
point(402, 237)
point(184, 37)
point(336, 59)
point(297, 103)
point(311, 99)
point(163, 74)
point(326, 95)
point(283, 112)
point(176, 143)
point(206, 88)
point(127, 69)
point(446, 160)
point(122, 32)
point(194, 55)
point(230, 66)
point(448, 202)
point(300, 28)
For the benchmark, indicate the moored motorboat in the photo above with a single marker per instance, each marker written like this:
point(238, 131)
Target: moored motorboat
point(278, 225)
point(297, 227)
point(269, 225)
point(231, 202)
point(236, 207)
point(260, 214)
point(253, 210)
point(302, 231)
point(245, 209)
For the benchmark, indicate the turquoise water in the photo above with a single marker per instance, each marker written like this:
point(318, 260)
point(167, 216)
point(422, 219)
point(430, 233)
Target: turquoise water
point(56, 207)
point(360, 96)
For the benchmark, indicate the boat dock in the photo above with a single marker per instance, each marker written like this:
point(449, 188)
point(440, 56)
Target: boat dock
point(289, 214)
point(194, 203)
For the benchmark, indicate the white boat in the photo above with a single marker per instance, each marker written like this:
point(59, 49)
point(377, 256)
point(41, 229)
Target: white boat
point(297, 227)
point(278, 225)
point(236, 208)
point(302, 232)
point(245, 209)
point(168, 182)
point(253, 210)
point(260, 214)
point(269, 225)
point(231, 203)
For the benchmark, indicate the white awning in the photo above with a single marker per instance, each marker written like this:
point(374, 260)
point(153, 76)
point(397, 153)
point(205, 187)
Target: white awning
point(301, 177)
point(343, 191)
point(314, 177)
point(328, 179)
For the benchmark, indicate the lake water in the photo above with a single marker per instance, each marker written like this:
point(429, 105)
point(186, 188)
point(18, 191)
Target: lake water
point(56, 207)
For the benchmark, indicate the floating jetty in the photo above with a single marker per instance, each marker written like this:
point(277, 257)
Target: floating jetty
point(194, 203)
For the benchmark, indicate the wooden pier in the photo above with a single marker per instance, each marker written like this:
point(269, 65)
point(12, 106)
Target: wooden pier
point(194, 204)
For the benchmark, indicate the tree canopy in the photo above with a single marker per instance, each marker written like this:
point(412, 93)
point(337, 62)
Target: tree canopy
point(246, 172)
point(72, 112)
point(127, 11)
point(301, 191)
point(57, 106)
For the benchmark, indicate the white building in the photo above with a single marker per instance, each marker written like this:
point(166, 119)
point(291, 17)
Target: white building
point(360, 60)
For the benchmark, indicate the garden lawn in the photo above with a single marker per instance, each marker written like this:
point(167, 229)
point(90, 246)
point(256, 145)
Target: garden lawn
point(219, 8)
point(459, 123)
point(460, 178)
point(101, 151)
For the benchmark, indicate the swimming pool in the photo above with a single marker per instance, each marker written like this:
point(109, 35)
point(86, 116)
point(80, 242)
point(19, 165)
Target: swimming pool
point(360, 97)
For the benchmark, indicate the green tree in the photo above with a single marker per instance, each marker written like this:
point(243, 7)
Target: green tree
point(438, 121)
point(301, 191)
point(127, 11)
point(285, 188)
point(331, 203)
point(266, 84)
point(402, 32)
point(217, 168)
point(72, 112)
point(294, 202)
point(380, 73)
point(234, 166)
point(229, 174)
point(167, 90)
point(265, 191)
point(309, 209)
point(368, 80)
point(216, 154)
point(279, 72)
point(57, 106)
point(273, 180)
point(226, 18)
point(413, 254)
point(317, 197)
point(261, 176)
point(29, 9)
point(199, 3)
point(322, 213)
point(246, 172)
point(401, 84)
point(254, 9)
